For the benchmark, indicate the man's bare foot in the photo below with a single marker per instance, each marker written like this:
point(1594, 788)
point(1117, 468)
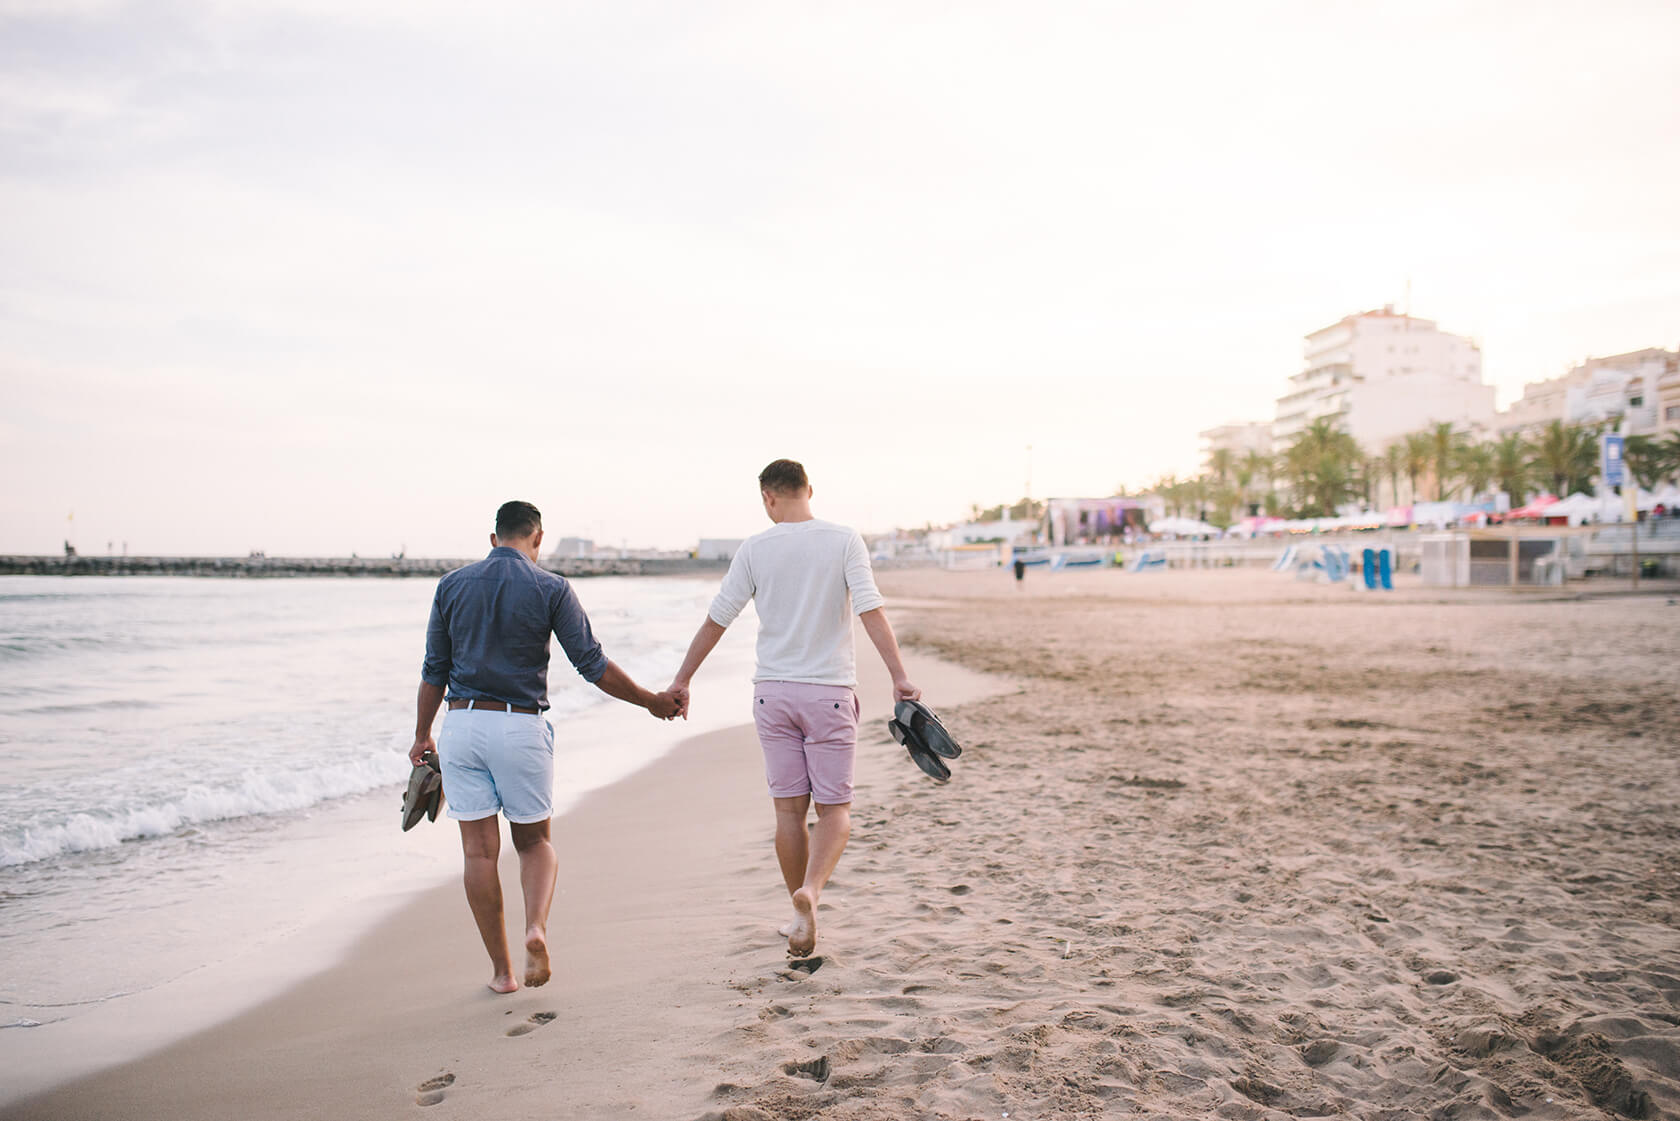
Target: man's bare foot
point(536, 958)
point(802, 938)
point(503, 983)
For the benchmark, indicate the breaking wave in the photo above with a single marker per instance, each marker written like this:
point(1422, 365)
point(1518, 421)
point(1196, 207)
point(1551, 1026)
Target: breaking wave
point(266, 791)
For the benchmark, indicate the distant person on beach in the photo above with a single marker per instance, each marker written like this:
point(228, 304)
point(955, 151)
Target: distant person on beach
point(1020, 571)
point(807, 578)
point(487, 644)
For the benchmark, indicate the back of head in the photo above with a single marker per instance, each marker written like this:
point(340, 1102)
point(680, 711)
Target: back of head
point(516, 520)
point(784, 476)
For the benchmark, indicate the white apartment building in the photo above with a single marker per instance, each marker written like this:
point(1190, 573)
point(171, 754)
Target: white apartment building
point(1668, 399)
point(1380, 375)
point(1631, 390)
point(1238, 439)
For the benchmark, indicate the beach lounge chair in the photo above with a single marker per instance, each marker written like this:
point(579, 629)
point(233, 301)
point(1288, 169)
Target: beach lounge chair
point(1150, 559)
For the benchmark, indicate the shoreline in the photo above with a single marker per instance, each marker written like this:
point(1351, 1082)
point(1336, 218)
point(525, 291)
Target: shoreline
point(281, 568)
point(410, 989)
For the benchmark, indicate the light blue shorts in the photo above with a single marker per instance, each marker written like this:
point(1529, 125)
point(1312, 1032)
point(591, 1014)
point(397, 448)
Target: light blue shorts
point(497, 761)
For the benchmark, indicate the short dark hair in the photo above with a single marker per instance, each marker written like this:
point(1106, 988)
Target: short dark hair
point(517, 519)
point(785, 476)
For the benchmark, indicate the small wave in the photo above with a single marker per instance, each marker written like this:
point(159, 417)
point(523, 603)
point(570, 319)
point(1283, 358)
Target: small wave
point(259, 792)
point(85, 706)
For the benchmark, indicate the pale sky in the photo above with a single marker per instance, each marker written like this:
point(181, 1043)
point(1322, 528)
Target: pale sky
point(323, 276)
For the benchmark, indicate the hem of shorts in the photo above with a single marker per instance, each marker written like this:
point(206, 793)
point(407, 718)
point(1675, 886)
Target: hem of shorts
point(470, 815)
point(528, 820)
point(814, 798)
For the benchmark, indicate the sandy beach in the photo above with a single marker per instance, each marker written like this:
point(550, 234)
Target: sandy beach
point(1221, 844)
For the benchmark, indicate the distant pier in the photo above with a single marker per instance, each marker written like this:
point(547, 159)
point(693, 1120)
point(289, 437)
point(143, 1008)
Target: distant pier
point(296, 567)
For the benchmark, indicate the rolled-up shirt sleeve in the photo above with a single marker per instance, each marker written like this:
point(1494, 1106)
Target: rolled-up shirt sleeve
point(860, 578)
point(439, 651)
point(737, 589)
point(571, 627)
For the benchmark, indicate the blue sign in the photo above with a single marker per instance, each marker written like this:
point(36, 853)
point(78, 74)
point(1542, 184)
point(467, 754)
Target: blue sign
point(1614, 472)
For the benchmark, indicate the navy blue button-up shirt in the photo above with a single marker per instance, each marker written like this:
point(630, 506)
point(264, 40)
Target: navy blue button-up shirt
point(488, 635)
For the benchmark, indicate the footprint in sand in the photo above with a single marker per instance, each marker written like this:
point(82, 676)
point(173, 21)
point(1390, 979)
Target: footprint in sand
point(816, 1070)
point(430, 1092)
point(807, 966)
point(536, 1020)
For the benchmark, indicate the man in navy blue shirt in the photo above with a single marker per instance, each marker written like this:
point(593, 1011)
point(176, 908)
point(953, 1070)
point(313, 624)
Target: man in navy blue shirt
point(487, 645)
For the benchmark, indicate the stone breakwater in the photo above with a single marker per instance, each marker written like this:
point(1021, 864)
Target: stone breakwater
point(293, 567)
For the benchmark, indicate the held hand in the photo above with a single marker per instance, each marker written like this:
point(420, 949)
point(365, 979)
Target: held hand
point(422, 744)
point(679, 693)
point(904, 691)
point(664, 706)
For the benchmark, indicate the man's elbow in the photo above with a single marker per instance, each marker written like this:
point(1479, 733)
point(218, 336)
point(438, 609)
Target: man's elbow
point(595, 670)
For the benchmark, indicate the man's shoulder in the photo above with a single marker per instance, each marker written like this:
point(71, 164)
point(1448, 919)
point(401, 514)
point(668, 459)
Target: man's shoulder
point(456, 577)
point(816, 527)
point(501, 568)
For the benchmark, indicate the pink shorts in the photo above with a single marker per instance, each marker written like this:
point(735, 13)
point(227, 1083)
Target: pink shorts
point(809, 735)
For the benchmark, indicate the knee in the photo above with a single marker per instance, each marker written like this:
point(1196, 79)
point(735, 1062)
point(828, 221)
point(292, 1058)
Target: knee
point(529, 837)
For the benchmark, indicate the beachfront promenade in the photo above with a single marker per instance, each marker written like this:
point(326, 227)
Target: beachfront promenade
point(1607, 549)
point(291, 567)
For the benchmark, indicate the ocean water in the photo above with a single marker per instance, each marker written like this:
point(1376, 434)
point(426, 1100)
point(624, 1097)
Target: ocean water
point(191, 768)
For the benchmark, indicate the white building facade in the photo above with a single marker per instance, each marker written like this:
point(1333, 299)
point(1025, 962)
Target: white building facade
point(1380, 375)
point(1238, 439)
point(1626, 390)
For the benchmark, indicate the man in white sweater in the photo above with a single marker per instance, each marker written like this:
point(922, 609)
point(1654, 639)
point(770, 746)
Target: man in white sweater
point(807, 578)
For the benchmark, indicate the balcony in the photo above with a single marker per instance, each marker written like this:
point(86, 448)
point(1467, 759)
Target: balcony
point(1640, 420)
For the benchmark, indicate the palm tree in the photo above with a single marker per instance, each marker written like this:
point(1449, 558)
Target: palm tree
point(1394, 465)
point(1566, 456)
point(1511, 466)
point(1171, 492)
point(1322, 468)
point(1256, 466)
point(1645, 459)
point(1444, 448)
point(1670, 450)
point(1221, 461)
point(1224, 498)
point(1417, 456)
point(1370, 480)
point(1476, 467)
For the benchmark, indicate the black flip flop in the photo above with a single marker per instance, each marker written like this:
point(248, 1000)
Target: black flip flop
point(932, 765)
point(424, 797)
point(919, 718)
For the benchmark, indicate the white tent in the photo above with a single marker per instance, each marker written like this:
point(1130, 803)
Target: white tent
point(1576, 505)
point(1184, 527)
point(1580, 508)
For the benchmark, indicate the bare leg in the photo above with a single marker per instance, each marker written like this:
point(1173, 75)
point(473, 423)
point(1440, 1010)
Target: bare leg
point(792, 840)
point(538, 866)
point(792, 846)
point(828, 841)
point(481, 845)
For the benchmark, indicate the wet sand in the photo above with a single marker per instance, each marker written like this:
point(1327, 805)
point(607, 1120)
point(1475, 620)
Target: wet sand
point(1224, 844)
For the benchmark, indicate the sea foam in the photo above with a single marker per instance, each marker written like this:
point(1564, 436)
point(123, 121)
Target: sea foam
point(264, 791)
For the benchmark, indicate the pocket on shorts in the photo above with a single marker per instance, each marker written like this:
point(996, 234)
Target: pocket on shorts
point(834, 718)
